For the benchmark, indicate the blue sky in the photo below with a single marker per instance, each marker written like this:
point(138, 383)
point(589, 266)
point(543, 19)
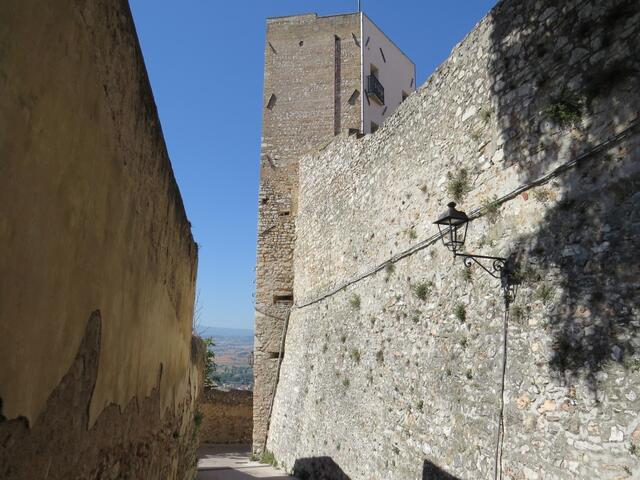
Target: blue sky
point(205, 61)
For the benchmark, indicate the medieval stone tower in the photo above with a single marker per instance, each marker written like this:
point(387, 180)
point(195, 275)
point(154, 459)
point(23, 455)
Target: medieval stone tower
point(316, 69)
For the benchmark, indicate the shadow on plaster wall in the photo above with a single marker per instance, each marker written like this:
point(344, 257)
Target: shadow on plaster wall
point(432, 472)
point(562, 85)
point(318, 468)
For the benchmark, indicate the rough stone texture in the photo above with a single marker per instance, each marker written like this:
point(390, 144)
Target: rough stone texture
point(387, 385)
point(91, 219)
point(312, 67)
point(227, 416)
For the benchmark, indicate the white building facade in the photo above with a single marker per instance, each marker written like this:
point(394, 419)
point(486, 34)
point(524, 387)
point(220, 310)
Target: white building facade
point(388, 75)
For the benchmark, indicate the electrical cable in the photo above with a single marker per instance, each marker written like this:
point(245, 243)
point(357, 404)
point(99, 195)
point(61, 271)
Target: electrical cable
point(478, 212)
point(500, 436)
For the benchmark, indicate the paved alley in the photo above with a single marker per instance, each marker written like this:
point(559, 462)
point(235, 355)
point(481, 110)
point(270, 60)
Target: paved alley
point(233, 462)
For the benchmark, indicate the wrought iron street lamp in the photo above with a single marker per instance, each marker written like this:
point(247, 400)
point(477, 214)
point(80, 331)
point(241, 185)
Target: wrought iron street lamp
point(453, 225)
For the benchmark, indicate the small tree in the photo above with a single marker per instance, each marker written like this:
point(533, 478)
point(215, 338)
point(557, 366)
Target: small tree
point(210, 368)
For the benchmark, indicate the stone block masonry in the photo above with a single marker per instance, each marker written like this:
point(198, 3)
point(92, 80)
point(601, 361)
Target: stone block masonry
point(312, 67)
point(99, 376)
point(314, 89)
point(227, 416)
point(394, 351)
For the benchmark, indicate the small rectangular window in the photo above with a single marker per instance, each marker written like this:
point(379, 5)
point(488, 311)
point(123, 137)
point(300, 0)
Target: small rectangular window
point(354, 97)
point(283, 299)
point(272, 102)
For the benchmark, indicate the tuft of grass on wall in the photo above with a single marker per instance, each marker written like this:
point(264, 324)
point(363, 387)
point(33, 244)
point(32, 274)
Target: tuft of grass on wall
point(389, 269)
point(380, 356)
point(354, 301)
point(346, 382)
point(412, 233)
point(544, 293)
point(518, 313)
point(459, 184)
point(527, 275)
point(633, 364)
point(460, 312)
point(565, 111)
point(268, 458)
point(491, 209)
point(355, 355)
point(467, 274)
point(485, 114)
point(542, 195)
point(421, 289)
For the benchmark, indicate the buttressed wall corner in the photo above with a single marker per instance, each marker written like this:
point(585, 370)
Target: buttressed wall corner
point(99, 374)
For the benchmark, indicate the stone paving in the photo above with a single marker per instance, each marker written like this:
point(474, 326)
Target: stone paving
point(233, 462)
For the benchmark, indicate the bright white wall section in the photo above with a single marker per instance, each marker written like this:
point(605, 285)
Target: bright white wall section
point(396, 73)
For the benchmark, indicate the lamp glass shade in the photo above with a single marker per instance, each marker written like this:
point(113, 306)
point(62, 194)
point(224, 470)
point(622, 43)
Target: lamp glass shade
point(452, 225)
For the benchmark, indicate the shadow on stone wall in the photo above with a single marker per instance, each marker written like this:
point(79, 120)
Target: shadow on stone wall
point(318, 468)
point(432, 472)
point(580, 87)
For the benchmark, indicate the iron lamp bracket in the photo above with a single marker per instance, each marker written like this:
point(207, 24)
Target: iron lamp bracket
point(494, 266)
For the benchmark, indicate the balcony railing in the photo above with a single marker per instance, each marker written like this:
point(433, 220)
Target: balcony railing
point(375, 89)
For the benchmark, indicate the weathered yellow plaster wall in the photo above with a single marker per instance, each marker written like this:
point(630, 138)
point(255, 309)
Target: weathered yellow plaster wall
point(90, 214)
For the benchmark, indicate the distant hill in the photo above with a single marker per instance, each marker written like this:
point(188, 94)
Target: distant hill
point(220, 332)
point(233, 353)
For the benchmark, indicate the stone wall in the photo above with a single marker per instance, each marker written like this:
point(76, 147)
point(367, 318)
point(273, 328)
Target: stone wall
point(394, 354)
point(98, 373)
point(312, 68)
point(227, 416)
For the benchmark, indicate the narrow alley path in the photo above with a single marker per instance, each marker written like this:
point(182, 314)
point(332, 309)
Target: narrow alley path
point(233, 462)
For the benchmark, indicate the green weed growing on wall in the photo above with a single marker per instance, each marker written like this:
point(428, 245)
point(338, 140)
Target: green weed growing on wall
point(421, 289)
point(460, 312)
point(459, 184)
point(566, 111)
